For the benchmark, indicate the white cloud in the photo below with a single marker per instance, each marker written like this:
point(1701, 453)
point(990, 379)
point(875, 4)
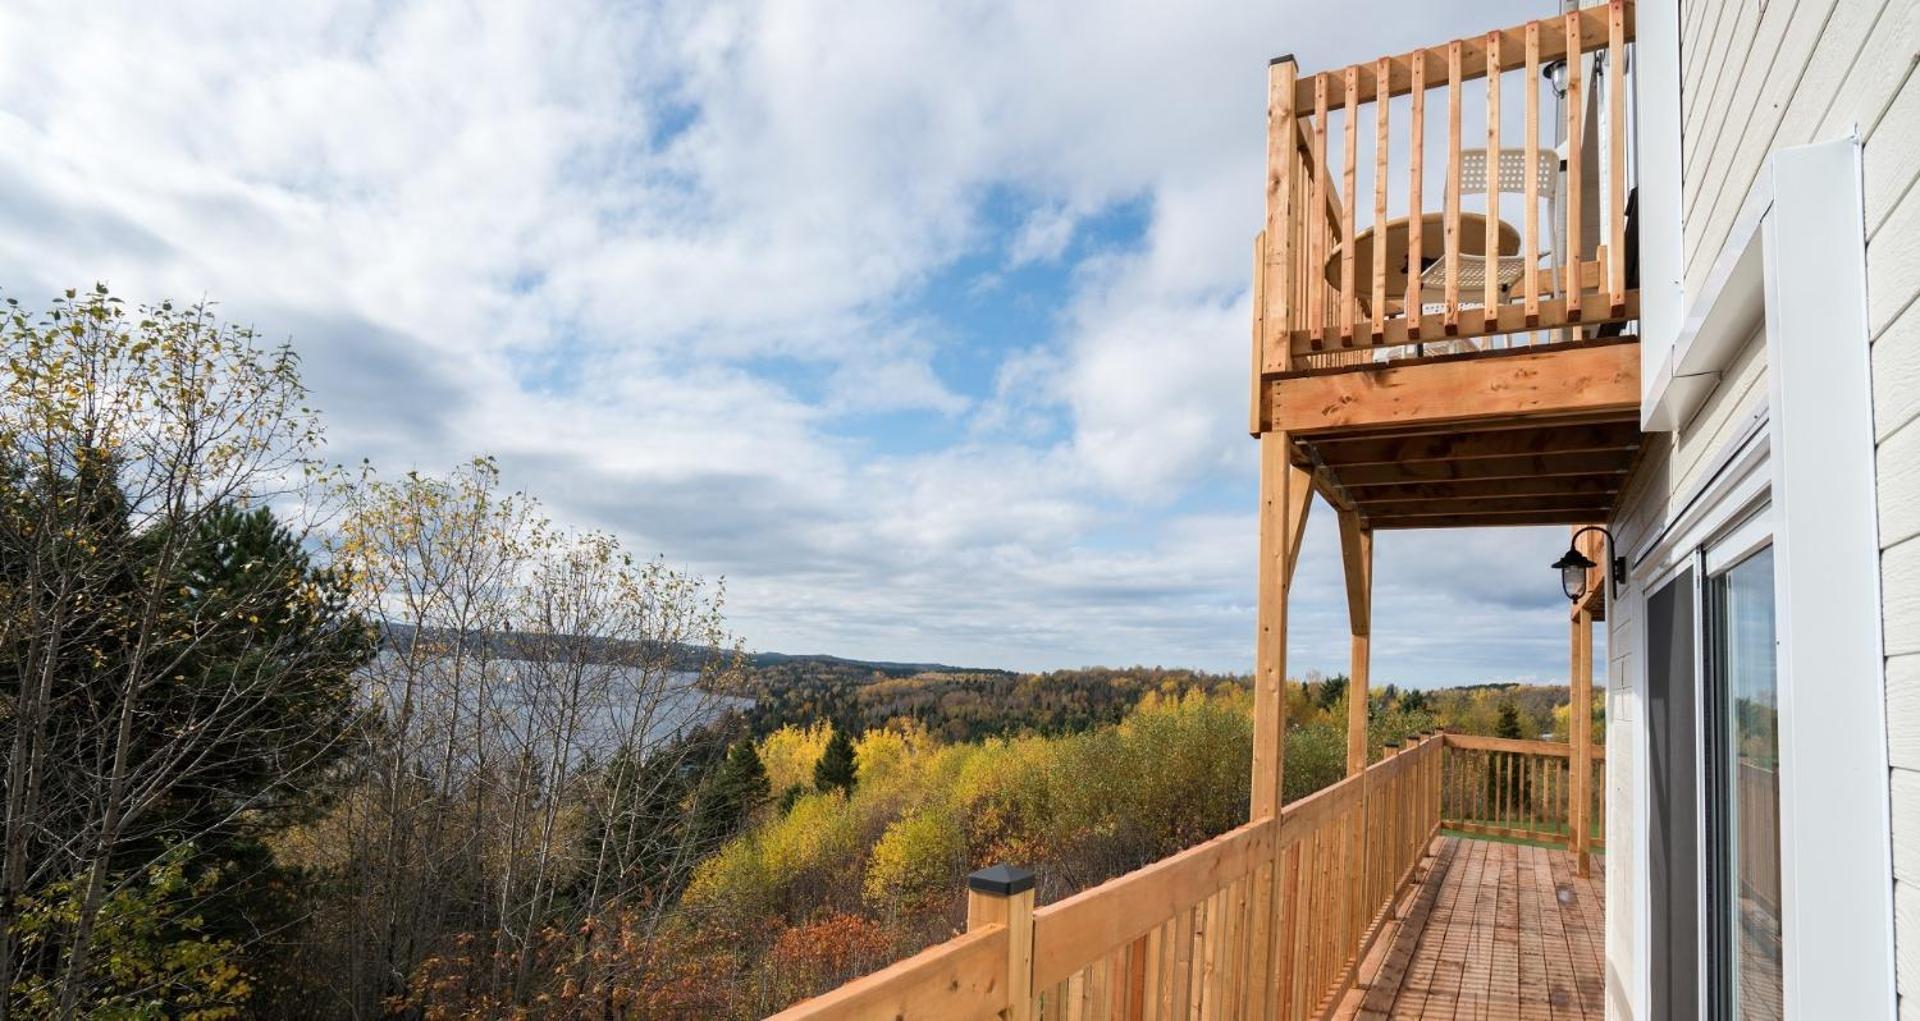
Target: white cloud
point(660, 259)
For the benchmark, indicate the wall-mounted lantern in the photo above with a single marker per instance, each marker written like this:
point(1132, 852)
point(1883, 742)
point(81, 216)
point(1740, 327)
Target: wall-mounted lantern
point(1574, 565)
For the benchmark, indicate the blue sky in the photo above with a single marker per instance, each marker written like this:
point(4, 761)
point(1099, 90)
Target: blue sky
point(923, 324)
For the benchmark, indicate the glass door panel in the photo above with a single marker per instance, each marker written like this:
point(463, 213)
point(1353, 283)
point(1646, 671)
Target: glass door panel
point(1743, 760)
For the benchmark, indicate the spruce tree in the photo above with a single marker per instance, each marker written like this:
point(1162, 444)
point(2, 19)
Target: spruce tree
point(836, 768)
point(1509, 723)
point(742, 783)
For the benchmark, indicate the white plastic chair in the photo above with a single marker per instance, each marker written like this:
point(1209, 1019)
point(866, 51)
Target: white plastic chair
point(1510, 178)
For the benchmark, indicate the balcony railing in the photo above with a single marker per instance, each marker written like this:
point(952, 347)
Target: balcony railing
point(1542, 257)
point(1522, 789)
point(1268, 920)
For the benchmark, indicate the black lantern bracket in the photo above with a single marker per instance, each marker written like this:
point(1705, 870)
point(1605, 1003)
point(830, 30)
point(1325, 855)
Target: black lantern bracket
point(1574, 565)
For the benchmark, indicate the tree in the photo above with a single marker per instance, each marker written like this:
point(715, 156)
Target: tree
point(740, 786)
point(533, 680)
point(836, 769)
point(159, 630)
point(1332, 690)
point(1509, 722)
point(1518, 789)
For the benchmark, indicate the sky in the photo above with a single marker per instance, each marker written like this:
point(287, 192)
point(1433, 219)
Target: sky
point(924, 325)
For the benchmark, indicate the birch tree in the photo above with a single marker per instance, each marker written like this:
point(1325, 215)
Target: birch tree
point(523, 665)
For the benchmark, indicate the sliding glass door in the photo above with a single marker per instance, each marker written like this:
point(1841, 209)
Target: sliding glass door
point(1742, 759)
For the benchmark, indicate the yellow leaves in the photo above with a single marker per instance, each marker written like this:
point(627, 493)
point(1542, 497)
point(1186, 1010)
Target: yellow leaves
point(789, 755)
point(880, 752)
point(914, 862)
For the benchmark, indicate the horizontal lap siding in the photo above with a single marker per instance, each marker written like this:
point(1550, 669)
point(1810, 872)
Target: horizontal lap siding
point(1889, 117)
point(1758, 78)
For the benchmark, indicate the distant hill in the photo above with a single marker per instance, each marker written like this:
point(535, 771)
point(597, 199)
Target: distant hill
point(874, 666)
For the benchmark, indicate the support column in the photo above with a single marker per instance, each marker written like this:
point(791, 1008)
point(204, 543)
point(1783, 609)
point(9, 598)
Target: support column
point(1356, 553)
point(1285, 496)
point(1580, 738)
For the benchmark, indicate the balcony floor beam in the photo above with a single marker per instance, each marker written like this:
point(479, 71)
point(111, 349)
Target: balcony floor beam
point(1525, 383)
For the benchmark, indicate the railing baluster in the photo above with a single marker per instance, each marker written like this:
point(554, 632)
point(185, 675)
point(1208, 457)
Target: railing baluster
point(1574, 204)
point(1179, 996)
point(1416, 212)
point(1347, 180)
point(1500, 789)
point(1318, 263)
point(1490, 265)
point(1617, 157)
point(1257, 407)
point(1530, 248)
point(1382, 75)
point(1451, 226)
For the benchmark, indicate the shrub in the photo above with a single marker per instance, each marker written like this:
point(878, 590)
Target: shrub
point(914, 864)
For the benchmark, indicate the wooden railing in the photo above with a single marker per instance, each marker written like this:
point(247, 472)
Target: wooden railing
point(1331, 292)
point(1518, 789)
point(1267, 920)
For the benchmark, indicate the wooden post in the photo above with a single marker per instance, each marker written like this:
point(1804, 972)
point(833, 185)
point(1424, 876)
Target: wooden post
point(1282, 511)
point(1580, 737)
point(1356, 553)
point(1282, 508)
point(1283, 161)
point(1003, 895)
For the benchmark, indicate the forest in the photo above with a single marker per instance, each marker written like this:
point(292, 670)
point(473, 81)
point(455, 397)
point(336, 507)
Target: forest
point(287, 739)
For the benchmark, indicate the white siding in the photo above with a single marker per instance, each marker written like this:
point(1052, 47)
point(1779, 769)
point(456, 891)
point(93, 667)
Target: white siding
point(1893, 281)
point(1756, 78)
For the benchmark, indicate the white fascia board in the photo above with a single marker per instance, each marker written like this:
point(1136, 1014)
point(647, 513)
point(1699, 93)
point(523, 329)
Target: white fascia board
point(1657, 136)
point(1731, 305)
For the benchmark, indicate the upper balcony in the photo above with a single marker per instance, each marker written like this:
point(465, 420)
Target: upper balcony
point(1463, 198)
point(1457, 350)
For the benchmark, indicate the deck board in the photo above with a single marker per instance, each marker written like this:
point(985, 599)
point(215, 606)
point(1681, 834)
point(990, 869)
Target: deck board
point(1495, 930)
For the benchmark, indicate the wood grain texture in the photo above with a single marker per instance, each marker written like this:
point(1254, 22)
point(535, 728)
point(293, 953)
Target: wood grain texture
point(1545, 381)
point(1491, 930)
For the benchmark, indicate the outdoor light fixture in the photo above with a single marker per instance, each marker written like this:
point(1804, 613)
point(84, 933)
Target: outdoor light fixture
point(1574, 565)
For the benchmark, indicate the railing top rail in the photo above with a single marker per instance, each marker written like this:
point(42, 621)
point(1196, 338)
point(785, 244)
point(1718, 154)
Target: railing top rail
point(1071, 932)
point(963, 977)
point(1473, 58)
point(1472, 742)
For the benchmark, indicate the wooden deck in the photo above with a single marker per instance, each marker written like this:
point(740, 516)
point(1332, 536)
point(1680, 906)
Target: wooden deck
point(1493, 930)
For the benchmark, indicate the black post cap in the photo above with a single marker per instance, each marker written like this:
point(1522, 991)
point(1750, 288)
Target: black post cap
point(1391, 744)
point(1001, 880)
point(1284, 58)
